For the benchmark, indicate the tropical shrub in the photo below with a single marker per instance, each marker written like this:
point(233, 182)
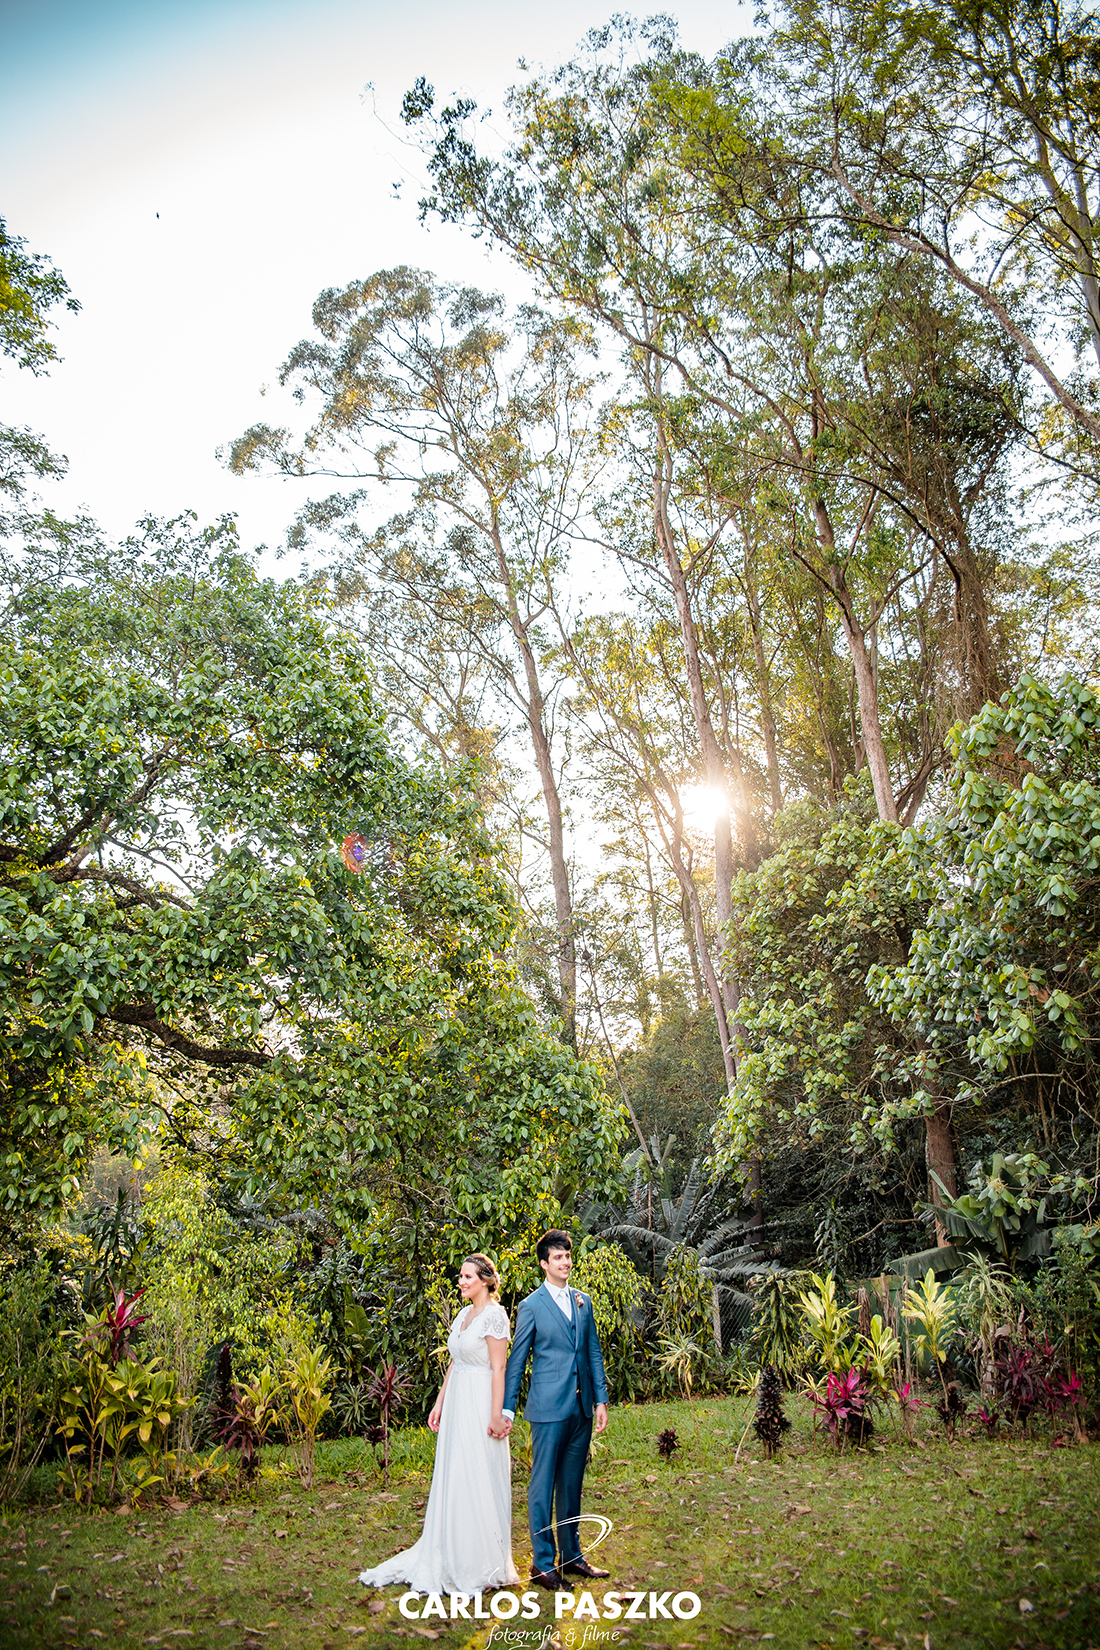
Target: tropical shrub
point(105, 1404)
point(828, 1325)
point(305, 1382)
point(243, 1413)
point(844, 1406)
point(932, 1308)
point(389, 1390)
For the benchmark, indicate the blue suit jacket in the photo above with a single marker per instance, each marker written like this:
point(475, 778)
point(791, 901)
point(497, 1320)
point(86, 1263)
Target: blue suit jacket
point(566, 1358)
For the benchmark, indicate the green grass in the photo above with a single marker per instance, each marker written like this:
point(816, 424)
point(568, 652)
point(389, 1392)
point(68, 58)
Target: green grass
point(902, 1544)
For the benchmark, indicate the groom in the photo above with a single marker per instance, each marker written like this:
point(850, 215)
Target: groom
point(555, 1327)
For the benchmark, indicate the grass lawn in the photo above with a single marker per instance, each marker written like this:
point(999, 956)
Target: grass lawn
point(983, 1544)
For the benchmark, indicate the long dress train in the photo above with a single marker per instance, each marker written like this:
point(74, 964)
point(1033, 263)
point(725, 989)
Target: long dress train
point(466, 1542)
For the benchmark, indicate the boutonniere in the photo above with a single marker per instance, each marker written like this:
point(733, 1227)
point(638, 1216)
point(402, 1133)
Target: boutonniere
point(578, 1297)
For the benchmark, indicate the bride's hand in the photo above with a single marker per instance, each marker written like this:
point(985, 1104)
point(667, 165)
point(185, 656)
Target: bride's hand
point(433, 1418)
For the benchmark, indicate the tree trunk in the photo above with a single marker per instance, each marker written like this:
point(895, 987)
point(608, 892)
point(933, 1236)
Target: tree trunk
point(673, 847)
point(693, 956)
point(939, 1154)
point(874, 748)
point(713, 764)
point(559, 867)
point(763, 687)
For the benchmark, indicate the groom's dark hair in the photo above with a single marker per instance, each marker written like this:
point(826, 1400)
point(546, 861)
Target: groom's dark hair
point(552, 1240)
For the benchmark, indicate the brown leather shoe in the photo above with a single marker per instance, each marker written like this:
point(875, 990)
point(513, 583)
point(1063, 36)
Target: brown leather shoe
point(583, 1568)
point(550, 1579)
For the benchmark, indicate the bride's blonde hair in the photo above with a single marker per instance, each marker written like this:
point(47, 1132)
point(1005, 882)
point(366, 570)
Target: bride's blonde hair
point(485, 1270)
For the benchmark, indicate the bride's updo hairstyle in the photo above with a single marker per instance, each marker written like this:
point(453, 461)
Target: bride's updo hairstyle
point(486, 1271)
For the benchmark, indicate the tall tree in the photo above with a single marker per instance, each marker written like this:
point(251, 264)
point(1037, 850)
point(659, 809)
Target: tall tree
point(647, 194)
point(485, 419)
point(969, 135)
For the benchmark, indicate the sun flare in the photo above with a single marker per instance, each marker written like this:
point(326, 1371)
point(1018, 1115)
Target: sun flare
point(702, 806)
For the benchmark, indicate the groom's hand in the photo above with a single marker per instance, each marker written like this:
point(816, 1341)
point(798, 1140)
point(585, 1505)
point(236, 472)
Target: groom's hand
point(600, 1413)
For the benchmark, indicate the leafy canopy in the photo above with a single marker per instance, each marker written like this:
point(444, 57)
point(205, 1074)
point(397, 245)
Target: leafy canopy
point(183, 949)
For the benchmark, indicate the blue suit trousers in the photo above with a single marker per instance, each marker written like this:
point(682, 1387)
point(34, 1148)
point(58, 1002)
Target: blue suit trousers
point(559, 1451)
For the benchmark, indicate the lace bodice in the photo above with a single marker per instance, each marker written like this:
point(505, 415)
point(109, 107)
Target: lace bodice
point(467, 1346)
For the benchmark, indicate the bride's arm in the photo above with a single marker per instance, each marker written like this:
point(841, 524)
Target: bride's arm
point(437, 1407)
point(498, 1357)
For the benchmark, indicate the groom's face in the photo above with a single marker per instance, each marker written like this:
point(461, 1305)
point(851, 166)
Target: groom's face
point(557, 1266)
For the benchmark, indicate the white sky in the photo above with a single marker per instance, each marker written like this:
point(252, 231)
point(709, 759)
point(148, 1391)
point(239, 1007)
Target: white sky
point(244, 124)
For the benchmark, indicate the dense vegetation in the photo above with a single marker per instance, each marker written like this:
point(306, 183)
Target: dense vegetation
point(748, 925)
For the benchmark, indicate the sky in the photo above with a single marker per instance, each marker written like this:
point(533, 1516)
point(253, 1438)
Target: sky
point(200, 170)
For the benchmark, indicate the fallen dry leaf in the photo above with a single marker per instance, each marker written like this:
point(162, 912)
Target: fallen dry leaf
point(1025, 1607)
point(376, 1606)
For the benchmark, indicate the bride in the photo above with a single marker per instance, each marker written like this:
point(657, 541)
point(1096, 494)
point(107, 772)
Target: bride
point(466, 1543)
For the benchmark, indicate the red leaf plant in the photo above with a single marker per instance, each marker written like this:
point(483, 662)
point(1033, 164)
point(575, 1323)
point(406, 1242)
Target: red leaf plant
point(844, 1407)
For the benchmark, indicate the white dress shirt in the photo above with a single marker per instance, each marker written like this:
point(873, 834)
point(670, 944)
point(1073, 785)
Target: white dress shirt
point(562, 1296)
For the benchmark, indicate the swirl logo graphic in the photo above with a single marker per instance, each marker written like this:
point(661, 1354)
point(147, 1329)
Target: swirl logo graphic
point(606, 1527)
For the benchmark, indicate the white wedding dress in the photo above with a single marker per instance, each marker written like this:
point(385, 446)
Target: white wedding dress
point(466, 1543)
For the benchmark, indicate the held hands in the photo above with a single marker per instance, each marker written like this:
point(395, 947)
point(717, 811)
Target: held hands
point(600, 1414)
point(499, 1427)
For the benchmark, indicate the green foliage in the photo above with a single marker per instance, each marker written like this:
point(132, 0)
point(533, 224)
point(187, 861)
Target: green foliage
point(817, 1053)
point(1002, 1213)
point(29, 288)
point(776, 1334)
point(1062, 1304)
point(605, 1273)
point(188, 956)
point(118, 1240)
point(685, 1305)
point(1002, 967)
point(102, 1407)
point(679, 1359)
point(675, 1079)
point(30, 1369)
point(210, 1278)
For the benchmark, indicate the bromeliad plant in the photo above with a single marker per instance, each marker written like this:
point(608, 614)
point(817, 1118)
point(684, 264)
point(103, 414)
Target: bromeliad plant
point(680, 1359)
